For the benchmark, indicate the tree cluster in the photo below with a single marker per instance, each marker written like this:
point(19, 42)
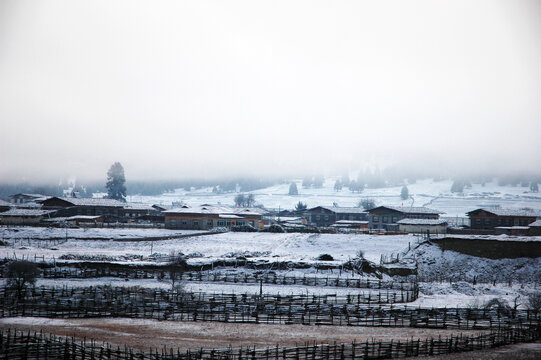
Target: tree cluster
point(367, 204)
point(242, 200)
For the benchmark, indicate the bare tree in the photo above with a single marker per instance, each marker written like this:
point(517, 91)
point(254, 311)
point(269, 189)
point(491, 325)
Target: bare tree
point(20, 274)
point(176, 267)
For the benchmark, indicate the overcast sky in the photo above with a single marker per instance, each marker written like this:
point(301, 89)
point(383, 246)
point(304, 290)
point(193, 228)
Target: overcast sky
point(175, 89)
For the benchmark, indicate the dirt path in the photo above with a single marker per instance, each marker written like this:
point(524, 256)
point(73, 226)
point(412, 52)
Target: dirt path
point(143, 334)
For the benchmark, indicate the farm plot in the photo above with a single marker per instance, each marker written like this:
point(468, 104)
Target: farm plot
point(20, 234)
point(143, 333)
point(268, 247)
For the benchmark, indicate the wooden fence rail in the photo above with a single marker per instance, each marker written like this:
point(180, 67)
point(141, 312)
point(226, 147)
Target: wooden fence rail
point(271, 309)
point(15, 345)
point(214, 276)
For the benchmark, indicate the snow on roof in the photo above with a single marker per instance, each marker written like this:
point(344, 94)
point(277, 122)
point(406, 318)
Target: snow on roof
point(74, 218)
point(536, 223)
point(508, 212)
point(410, 209)
point(93, 202)
point(26, 212)
point(512, 227)
point(138, 206)
point(36, 196)
point(342, 210)
point(421, 222)
point(352, 222)
point(225, 216)
point(215, 210)
point(5, 203)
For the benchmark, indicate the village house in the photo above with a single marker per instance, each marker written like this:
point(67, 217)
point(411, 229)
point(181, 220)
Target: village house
point(17, 216)
point(137, 212)
point(66, 207)
point(4, 206)
point(387, 217)
point(423, 226)
point(492, 218)
point(205, 217)
point(324, 216)
point(23, 198)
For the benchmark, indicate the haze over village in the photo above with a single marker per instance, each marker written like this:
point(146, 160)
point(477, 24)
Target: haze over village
point(270, 180)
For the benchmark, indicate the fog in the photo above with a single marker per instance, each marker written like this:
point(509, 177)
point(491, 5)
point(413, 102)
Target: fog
point(176, 89)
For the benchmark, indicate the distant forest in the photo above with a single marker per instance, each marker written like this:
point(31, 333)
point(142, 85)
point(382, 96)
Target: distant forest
point(393, 176)
point(139, 187)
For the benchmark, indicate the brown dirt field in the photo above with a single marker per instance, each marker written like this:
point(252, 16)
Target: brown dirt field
point(143, 334)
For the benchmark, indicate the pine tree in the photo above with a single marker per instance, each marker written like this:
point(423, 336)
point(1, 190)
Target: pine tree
point(338, 185)
point(404, 193)
point(116, 182)
point(300, 206)
point(293, 189)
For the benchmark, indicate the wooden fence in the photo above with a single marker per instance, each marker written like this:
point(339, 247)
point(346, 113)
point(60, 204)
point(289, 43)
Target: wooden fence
point(15, 345)
point(243, 308)
point(215, 276)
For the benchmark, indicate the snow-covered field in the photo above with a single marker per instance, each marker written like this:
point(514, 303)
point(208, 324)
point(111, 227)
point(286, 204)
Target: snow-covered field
point(11, 233)
point(515, 278)
point(427, 192)
point(270, 247)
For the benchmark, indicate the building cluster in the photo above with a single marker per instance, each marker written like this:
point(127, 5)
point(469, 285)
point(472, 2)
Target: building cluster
point(36, 209)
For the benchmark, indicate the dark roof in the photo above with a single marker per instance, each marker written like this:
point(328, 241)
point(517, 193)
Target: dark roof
point(409, 209)
point(215, 210)
point(507, 212)
point(341, 210)
point(36, 196)
point(91, 202)
point(26, 212)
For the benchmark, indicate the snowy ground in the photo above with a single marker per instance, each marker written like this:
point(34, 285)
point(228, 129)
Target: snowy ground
point(254, 246)
point(211, 287)
point(435, 264)
point(435, 194)
point(11, 233)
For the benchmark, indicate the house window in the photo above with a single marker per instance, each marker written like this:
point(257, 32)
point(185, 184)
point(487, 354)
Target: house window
point(375, 218)
point(395, 219)
point(317, 217)
point(209, 223)
point(385, 218)
point(221, 223)
point(327, 217)
point(195, 223)
point(184, 222)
